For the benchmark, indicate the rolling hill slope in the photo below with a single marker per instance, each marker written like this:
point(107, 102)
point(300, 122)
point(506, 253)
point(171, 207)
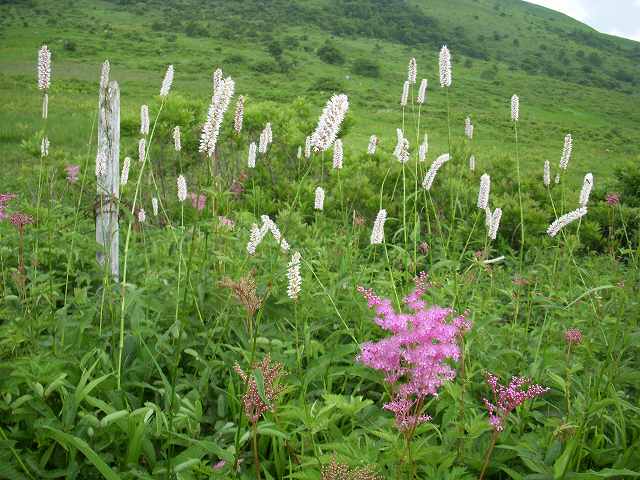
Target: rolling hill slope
point(569, 77)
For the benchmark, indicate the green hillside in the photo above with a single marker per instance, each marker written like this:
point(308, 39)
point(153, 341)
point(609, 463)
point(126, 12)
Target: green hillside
point(570, 78)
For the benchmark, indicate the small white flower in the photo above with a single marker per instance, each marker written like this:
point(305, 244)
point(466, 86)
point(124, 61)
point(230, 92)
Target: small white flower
point(412, 71)
point(377, 234)
point(144, 120)
point(166, 82)
point(251, 162)
point(142, 146)
point(433, 170)
point(483, 193)
point(44, 68)
point(405, 94)
point(472, 163)
point(515, 108)
point(565, 220)
point(293, 275)
point(124, 177)
point(373, 143)
point(422, 91)
point(445, 67)
point(142, 216)
point(546, 174)
point(177, 141)
point(154, 206)
point(44, 147)
point(337, 154)
point(587, 185)
point(182, 188)
point(566, 152)
point(319, 199)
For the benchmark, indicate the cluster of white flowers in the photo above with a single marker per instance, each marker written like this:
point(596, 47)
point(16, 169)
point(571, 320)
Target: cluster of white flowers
point(223, 91)
point(399, 138)
point(566, 152)
point(338, 154)
point(182, 188)
point(472, 163)
point(565, 220)
point(468, 128)
point(587, 185)
point(307, 147)
point(373, 144)
point(405, 94)
point(177, 143)
point(266, 137)
point(494, 222)
point(483, 194)
point(299, 154)
point(412, 71)
point(423, 150)
point(251, 162)
point(166, 82)
point(422, 91)
point(546, 174)
point(515, 108)
point(403, 151)
point(258, 233)
point(377, 234)
point(217, 78)
point(318, 203)
point(142, 147)
point(154, 206)
point(239, 115)
point(44, 68)
point(142, 216)
point(445, 67)
point(144, 120)
point(433, 171)
point(126, 166)
point(44, 147)
point(329, 124)
point(293, 275)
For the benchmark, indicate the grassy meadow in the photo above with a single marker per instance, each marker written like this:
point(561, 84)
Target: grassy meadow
point(306, 314)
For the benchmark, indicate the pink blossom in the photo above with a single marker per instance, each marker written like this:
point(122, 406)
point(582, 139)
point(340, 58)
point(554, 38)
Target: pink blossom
point(507, 398)
point(219, 465)
point(226, 222)
point(573, 336)
point(72, 173)
point(613, 199)
point(198, 201)
point(414, 359)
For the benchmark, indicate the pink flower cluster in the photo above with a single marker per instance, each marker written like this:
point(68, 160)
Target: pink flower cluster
point(613, 199)
point(414, 358)
point(573, 336)
point(198, 201)
point(507, 398)
point(226, 222)
point(4, 199)
point(72, 173)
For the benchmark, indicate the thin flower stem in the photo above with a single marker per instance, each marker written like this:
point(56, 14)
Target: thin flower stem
point(515, 129)
point(487, 457)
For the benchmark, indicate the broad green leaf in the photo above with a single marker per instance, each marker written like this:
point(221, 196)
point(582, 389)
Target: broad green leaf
point(67, 441)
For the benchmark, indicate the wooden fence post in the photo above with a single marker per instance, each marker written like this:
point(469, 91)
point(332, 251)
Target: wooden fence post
point(108, 178)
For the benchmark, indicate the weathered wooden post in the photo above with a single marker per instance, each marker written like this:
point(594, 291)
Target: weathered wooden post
point(108, 176)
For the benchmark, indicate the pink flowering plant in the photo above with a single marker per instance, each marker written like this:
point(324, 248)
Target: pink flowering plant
point(416, 358)
point(506, 398)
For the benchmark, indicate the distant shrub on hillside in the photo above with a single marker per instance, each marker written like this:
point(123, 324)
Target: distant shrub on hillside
point(328, 53)
point(366, 68)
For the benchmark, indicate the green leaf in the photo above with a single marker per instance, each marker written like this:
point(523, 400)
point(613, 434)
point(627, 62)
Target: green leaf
point(561, 464)
point(257, 374)
point(67, 440)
